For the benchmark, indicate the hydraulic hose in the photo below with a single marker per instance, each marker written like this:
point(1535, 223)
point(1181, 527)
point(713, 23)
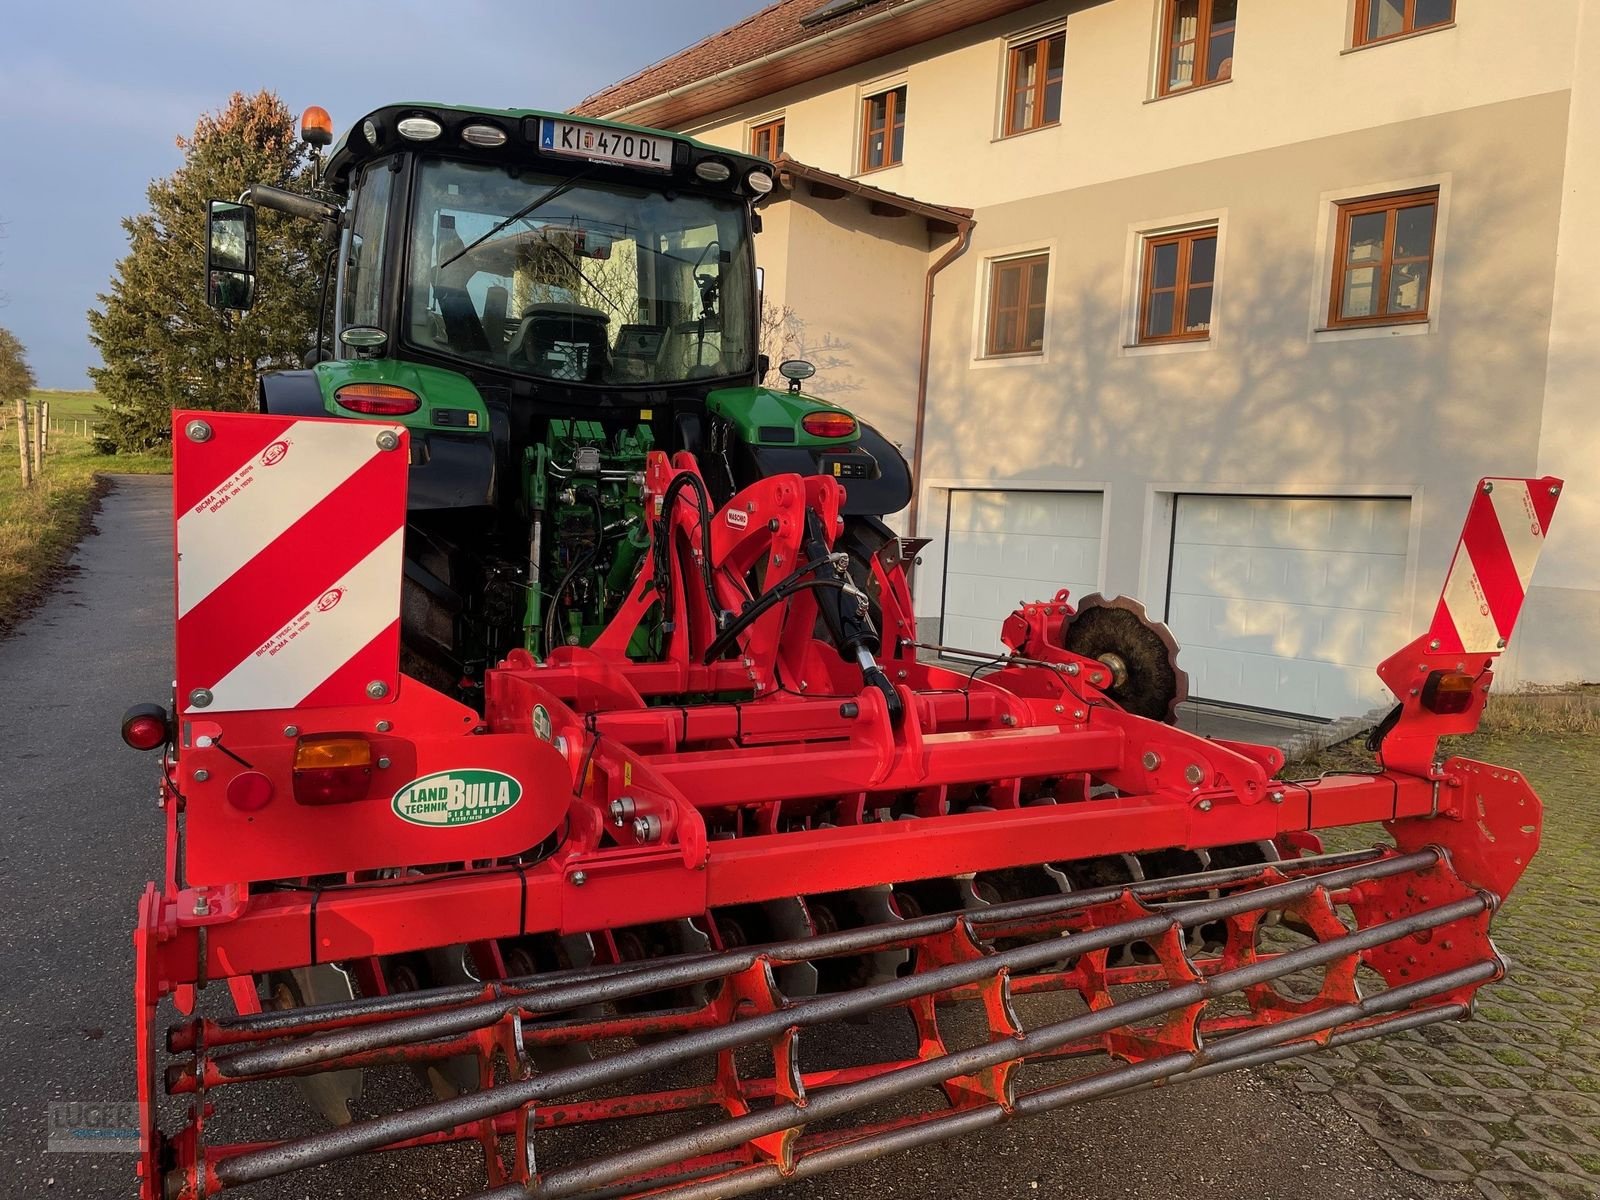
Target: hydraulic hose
point(853, 632)
point(848, 622)
point(794, 582)
point(580, 563)
point(663, 546)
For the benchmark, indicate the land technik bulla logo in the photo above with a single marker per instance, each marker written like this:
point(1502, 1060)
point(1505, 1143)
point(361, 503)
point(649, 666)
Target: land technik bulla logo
point(461, 797)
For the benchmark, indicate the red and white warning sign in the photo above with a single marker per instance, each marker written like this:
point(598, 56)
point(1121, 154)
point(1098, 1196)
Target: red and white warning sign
point(1493, 566)
point(289, 537)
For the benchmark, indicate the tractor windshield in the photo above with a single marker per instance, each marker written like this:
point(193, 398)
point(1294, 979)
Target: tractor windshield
point(568, 279)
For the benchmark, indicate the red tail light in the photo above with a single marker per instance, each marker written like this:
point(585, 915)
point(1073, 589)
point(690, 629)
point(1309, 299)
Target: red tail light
point(146, 727)
point(1448, 692)
point(828, 424)
point(332, 768)
point(377, 399)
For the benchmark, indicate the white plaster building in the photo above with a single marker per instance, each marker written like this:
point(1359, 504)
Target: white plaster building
point(1249, 297)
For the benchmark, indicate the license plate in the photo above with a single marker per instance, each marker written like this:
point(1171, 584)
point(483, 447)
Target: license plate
point(599, 144)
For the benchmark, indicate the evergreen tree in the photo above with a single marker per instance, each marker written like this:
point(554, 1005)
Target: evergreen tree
point(163, 348)
point(16, 377)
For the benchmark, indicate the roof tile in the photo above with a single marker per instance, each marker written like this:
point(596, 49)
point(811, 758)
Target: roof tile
point(776, 27)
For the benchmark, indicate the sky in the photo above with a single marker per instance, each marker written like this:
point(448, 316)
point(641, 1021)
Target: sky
point(94, 94)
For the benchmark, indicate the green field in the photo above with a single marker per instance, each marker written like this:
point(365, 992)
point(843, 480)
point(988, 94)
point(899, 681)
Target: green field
point(80, 405)
point(40, 526)
point(69, 411)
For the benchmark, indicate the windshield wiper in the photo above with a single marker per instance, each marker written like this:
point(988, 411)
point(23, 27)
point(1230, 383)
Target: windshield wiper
point(578, 267)
point(526, 210)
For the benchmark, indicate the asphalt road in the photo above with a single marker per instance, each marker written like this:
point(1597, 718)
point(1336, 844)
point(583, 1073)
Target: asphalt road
point(83, 834)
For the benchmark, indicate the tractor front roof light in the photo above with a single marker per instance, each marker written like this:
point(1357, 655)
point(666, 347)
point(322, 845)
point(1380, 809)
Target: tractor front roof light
point(713, 170)
point(487, 136)
point(419, 129)
point(759, 182)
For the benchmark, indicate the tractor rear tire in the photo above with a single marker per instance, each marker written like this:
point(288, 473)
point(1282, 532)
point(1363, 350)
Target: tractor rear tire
point(429, 621)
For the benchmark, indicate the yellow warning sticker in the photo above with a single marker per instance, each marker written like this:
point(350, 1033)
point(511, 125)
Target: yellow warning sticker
point(647, 414)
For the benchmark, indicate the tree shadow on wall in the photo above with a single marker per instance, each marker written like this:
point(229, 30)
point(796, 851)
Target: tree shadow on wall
point(1269, 402)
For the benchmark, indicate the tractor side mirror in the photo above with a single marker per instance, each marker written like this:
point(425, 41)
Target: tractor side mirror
point(230, 255)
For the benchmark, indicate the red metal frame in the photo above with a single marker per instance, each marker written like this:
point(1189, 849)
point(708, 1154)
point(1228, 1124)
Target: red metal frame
point(669, 789)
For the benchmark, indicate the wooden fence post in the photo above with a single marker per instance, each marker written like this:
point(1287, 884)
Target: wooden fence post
point(44, 426)
point(22, 439)
point(38, 441)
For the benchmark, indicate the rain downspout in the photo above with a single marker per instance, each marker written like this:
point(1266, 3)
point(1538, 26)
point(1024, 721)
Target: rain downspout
point(963, 240)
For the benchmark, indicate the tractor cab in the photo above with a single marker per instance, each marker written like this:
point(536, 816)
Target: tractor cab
point(542, 300)
point(549, 251)
point(531, 247)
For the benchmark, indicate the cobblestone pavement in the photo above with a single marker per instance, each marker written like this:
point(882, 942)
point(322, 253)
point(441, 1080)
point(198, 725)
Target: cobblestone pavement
point(1509, 1102)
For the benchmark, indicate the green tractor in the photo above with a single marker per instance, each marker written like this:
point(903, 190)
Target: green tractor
point(542, 301)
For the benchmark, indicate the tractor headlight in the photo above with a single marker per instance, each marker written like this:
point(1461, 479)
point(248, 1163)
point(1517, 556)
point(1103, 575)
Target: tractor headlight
point(420, 129)
point(487, 136)
point(758, 182)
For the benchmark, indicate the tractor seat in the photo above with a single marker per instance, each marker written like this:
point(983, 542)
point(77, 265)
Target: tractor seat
point(567, 341)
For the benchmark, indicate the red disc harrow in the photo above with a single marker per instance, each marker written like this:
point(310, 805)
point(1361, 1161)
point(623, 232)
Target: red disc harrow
point(662, 896)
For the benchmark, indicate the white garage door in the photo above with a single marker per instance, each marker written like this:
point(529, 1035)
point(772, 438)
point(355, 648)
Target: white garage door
point(1288, 604)
point(1006, 547)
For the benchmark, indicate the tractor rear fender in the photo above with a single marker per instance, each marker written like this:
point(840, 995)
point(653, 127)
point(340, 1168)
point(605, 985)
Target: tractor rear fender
point(453, 462)
point(888, 492)
point(772, 440)
point(291, 394)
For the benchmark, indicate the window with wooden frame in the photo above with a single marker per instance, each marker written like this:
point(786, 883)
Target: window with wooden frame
point(1380, 20)
point(1018, 290)
point(883, 129)
point(1383, 259)
point(766, 139)
point(1179, 274)
point(1197, 41)
point(1034, 71)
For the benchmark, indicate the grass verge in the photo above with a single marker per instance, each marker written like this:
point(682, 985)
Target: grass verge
point(1544, 710)
point(1538, 712)
point(39, 526)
